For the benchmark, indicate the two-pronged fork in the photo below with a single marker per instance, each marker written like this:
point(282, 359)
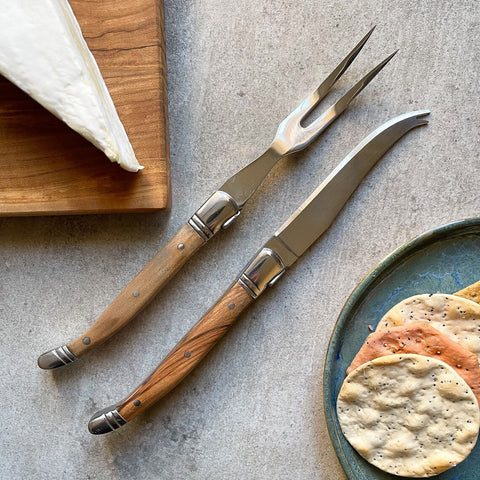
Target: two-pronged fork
point(218, 212)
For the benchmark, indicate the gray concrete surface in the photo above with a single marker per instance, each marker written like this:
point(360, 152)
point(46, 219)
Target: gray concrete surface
point(254, 409)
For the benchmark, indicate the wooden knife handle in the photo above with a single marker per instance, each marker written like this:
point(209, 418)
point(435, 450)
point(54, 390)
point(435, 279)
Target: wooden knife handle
point(188, 353)
point(141, 290)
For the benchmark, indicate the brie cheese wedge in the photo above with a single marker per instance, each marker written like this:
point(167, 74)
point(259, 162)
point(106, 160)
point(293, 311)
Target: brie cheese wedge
point(42, 51)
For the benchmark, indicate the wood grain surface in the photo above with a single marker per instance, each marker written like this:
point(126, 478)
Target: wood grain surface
point(141, 290)
point(46, 168)
point(188, 353)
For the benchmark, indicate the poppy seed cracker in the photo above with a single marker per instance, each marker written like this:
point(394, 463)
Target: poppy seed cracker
point(456, 317)
point(409, 415)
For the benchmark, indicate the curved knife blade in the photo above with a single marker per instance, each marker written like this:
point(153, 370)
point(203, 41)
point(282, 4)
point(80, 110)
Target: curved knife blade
point(321, 208)
point(281, 251)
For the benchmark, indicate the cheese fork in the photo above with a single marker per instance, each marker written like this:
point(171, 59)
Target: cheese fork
point(280, 252)
point(217, 213)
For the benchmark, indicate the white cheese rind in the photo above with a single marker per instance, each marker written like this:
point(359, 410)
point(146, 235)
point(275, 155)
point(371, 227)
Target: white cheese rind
point(42, 51)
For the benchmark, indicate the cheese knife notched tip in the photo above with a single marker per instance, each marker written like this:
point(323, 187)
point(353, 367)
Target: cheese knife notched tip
point(57, 357)
point(280, 252)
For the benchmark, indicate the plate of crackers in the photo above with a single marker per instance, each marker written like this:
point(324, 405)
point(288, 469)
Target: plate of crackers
point(402, 374)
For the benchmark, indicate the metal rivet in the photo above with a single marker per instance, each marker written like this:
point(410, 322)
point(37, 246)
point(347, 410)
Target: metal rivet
point(187, 354)
point(86, 341)
point(180, 246)
point(137, 403)
point(136, 293)
point(231, 306)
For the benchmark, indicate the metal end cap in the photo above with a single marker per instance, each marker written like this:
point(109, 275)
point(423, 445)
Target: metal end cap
point(58, 357)
point(105, 421)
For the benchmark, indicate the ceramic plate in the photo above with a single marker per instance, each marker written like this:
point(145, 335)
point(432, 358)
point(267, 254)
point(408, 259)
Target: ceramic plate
point(444, 260)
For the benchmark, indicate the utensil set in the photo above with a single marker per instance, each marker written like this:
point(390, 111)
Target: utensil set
point(272, 260)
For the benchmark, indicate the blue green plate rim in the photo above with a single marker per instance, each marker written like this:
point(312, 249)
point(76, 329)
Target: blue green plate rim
point(354, 301)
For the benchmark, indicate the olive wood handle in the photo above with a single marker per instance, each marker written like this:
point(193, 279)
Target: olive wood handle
point(135, 296)
point(188, 353)
point(141, 290)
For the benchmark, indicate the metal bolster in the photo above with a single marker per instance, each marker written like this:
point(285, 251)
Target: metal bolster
point(200, 227)
point(264, 270)
point(218, 212)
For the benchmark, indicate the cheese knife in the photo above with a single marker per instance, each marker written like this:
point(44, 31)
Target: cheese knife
point(279, 253)
point(217, 213)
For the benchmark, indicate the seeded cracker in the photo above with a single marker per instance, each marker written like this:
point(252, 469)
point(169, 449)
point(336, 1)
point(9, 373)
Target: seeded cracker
point(409, 415)
point(456, 317)
point(472, 292)
point(423, 339)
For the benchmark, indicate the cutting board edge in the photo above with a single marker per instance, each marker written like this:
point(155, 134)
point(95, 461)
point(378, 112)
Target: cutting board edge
point(155, 193)
point(11, 213)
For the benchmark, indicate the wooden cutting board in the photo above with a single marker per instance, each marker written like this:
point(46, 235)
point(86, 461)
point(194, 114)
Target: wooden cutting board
point(48, 169)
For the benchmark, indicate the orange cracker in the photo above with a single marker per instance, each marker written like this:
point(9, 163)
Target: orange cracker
point(421, 338)
point(456, 317)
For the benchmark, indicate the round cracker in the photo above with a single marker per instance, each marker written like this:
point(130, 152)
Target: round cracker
point(423, 339)
point(408, 415)
point(456, 317)
point(472, 292)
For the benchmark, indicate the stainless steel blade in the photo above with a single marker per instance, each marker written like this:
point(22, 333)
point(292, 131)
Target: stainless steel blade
point(318, 212)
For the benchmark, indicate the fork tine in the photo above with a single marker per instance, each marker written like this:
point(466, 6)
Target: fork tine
point(328, 83)
point(321, 123)
point(342, 104)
